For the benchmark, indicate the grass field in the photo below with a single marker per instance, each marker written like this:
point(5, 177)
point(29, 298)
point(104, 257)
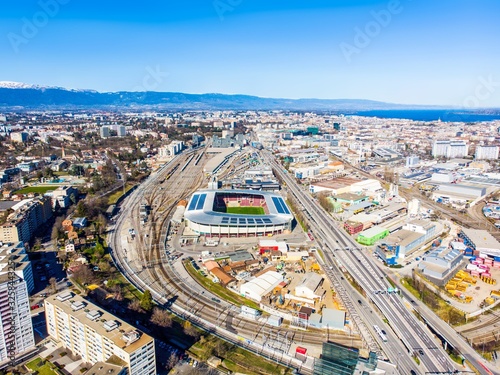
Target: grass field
point(36, 189)
point(41, 368)
point(246, 210)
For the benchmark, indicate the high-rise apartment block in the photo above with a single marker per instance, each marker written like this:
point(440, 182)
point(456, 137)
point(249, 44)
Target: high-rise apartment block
point(18, 257)
point(104, 131)
point(486, 152)
point(28, 215)
point(97, 336)
point(450, 149)
point(17, 337)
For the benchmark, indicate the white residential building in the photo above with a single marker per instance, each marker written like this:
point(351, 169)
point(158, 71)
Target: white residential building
point(96, 335)
point(450, 149)
point(104, 131)
point(17, 316)
point(486, 152)
point(21, 260)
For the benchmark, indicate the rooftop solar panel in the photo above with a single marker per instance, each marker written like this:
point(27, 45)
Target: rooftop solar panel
point(278, 205)
point(193, 203)
point(201, 202)
point(285, 208)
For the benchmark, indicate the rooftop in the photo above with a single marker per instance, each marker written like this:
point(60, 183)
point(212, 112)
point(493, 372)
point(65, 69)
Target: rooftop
point(101, 321)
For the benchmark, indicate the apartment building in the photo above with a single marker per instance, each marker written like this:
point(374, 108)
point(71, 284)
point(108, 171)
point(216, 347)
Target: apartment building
point(15, 320)
point(17, 253)
point(450, 149)
point(28, 215)
point(486, 152)
point(98, 336)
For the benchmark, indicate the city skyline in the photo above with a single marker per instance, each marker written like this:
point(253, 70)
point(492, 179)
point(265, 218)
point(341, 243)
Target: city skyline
point(395, 51)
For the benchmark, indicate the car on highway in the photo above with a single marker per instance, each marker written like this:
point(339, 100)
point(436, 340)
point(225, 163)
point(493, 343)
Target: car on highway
point(412, 372)
point(420, 351)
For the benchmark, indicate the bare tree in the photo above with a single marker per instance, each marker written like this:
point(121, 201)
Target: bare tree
point(190, 330)
point(83, 274)
point(135, 305)
point(53, 284)
point(161, 317)
point(172, 361)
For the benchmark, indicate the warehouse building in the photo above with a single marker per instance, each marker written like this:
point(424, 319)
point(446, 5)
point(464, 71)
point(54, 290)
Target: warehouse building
point(440, 265)
point(370, 236)
point(260, 286)
point(480, 240)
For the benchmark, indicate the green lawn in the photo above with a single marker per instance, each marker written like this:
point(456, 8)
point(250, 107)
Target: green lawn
point(46, 369)
point(113, 198)
point(35, 189)
point(245, 210)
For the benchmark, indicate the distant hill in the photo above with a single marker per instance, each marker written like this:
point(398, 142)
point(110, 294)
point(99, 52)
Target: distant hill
point(14, 95)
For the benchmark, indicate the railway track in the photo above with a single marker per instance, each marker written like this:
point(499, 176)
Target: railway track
point(153, 266)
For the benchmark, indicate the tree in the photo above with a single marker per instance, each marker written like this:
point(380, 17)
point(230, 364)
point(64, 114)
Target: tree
point(53, 284)
point(135, 305)
point(161, 318)
point(324, 201)
point(147, 300)
point(190, 330)
point(83, 274)
point(172, 361)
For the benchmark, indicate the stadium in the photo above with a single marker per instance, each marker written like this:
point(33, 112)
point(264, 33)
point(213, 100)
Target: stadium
point(237, 213)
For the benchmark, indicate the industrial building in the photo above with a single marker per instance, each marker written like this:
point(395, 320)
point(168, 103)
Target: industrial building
point(260, 286)
point(402, 242)
point(370, 236)
point(223, 213)
point(480, 240)
point(440, 264)
point(19, 329)
point(458, 192)
point(97, 336)
point(309, 285)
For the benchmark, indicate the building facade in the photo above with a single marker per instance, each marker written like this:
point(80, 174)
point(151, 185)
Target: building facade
point(450, 149)
point(28, 215)
point(486, 152)
point(17, 253)
point(15, 320)
point(96, 335)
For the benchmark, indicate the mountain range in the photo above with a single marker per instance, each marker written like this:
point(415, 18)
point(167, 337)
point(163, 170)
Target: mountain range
point(15, 95)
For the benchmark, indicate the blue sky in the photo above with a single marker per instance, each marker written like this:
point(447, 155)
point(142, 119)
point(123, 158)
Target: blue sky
point(402, 51)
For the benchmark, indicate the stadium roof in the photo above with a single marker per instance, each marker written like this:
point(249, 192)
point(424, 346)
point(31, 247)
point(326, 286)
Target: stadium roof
point(200, 210)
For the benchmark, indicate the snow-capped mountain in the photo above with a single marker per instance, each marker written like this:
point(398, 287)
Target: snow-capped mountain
point(21, 85)
point(22, 95)
point(17, 85)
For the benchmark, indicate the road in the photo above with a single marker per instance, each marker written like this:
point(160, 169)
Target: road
point(149, 268)
point(340, 250)
point(336, 244)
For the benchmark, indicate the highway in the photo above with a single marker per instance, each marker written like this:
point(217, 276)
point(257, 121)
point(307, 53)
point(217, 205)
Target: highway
point(410, 330)
point(336, 244)
point(143, 261)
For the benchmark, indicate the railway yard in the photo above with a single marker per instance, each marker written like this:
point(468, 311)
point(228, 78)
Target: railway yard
point(151, 253)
